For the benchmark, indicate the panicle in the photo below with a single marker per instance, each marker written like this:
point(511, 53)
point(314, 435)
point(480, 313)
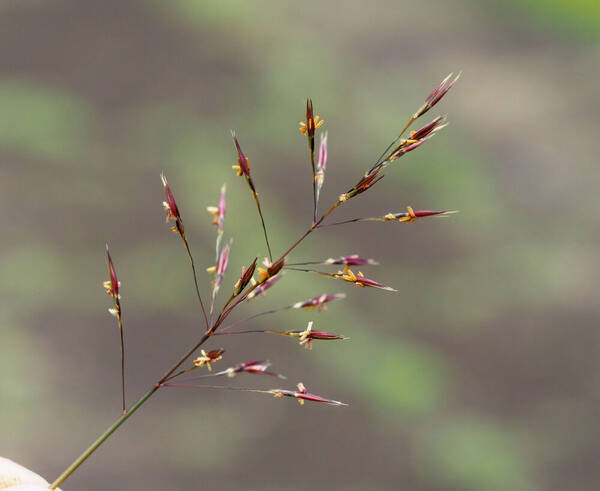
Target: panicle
point(319, 301)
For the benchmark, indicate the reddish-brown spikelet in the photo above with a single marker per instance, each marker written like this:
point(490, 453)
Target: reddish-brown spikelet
point(412, 215)
point(111, 286)
point(223, 261)
point(206, 358)
point(319, 301)
point(218, 212)
point(361, 280)
point(271, 269)
point(309, 334)
point(243, 166)
point(302, 395)
point(428, 213)
point(312, 122)
point(435, 125)
point(257, 367)
point(364, 184)
point(406, 147)
point(171, 208)
point(222, 207)
point(351, 260)
point(263, 287)
point(245, 278)
point(321, 166)
point(436, 95)
point(322, 158)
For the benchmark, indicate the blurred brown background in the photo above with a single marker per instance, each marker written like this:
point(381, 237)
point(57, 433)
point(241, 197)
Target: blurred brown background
point(481, 373)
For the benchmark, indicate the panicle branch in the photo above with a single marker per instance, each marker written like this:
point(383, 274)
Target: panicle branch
point(173, 214)
point(112, 287)
point(243, 168)
point(409, 216)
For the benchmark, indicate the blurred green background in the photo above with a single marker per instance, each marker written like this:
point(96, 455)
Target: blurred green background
point(481, 373)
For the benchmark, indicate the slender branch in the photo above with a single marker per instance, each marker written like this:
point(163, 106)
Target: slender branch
point(309, 271)
point(262, 221)
point(226, 387)
point(189, 253)
point(122, 360)
point(314, 175)
point(352, 220)
point(246, 319)
point(248, 331)
point(307, 263)
point(207, 375)
point(184, 358)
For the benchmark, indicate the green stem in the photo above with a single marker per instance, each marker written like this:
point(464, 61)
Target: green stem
point(82, 458)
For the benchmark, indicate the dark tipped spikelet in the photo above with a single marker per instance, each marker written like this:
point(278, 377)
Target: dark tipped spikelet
point(436, 95)
point(245, 278)
point(172, 210)
point(258, 367)
point(319, 301)
point(302, 395)
point(307, 336)
point(206, 358)
point(243, 166)
point(263, 287)
point(112, 285)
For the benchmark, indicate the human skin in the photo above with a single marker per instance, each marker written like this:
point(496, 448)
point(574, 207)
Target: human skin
point(15, 477)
